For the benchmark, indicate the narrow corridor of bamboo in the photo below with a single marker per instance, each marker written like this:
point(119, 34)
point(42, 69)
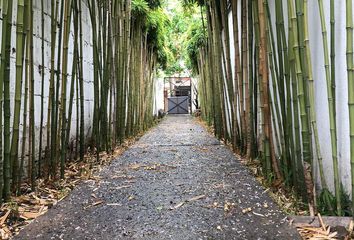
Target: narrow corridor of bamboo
point(127, 45)
point(271, 103)
point(90, 84)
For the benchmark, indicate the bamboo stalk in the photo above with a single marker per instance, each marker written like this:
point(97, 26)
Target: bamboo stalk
point(32, 135)
point(297, 25)
point(20, 43)
point(237, 76)
point(67, 18)
point(51, 136)
point(25, 107)
point(42, 93)
point(81, 85)
point(331, 108)
point(5, 83)
point(265, 86)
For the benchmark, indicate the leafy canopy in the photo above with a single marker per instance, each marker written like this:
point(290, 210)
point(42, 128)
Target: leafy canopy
point(174, 31)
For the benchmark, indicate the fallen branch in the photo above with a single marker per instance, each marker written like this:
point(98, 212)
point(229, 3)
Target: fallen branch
point(187, 201)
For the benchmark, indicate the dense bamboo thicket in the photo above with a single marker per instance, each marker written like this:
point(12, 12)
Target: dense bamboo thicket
point(262, 99)
point(127, 43)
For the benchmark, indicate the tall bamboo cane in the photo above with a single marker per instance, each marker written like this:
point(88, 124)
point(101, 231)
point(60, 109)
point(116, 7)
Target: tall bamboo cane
point(331, 108)
point(265, 86)
point(73, 8)
point(67, 22)
point(32, 135)
point(42, 93)
point(5, 80)
point(81, 85)
point(25, 107)
point(51, 136)
point(20, 43)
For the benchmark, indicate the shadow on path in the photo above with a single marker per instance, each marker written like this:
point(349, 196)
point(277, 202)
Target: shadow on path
point(176, 182)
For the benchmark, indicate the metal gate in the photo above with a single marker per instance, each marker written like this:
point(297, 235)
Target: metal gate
point(178, 105)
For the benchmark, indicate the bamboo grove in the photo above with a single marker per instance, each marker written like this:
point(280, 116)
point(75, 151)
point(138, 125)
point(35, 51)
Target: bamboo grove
point(38, 136)
point(257, 90)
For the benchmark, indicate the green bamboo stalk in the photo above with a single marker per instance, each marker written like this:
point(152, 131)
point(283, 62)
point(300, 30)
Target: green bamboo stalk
point(126, 77)
point(298, 170)
point(284, 60)
point(67, 17)
point(263, 65)
point(32, 136)
point(96, 60)
point(313, 112)
point(5, 80)
point(81, 85)
point(57, 116)
point(331, 109)
point(252, 119)
point(51, 136)
point(277, 91)
point(25, 107)
point(257, 86)
point(72, 80)
point(42, 93)
point(237, 129)
point(20, 43)
point(297, 25)
point(280, 41)
point(227, 64)
point(333, 51)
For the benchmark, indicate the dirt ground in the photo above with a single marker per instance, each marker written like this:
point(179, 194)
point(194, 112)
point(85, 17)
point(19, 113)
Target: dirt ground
point(176, 182)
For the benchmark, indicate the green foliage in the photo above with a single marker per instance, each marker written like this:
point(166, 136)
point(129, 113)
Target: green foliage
point(184, 16)
point(175, 38)
point(157, 24)
point(153, 4)
point(196, 38)
point(140, 9)
point(154, 22)
point(327, 203)
point(191, 3)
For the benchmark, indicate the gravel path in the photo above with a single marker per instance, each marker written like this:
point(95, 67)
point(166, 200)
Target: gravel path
point(176, 182)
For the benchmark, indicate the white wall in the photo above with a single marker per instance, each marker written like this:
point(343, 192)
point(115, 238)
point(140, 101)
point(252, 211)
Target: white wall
point(87, 71)
point(341, 90)
point(159, 95)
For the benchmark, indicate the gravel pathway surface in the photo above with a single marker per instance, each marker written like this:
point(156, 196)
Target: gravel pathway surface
point(176, 182)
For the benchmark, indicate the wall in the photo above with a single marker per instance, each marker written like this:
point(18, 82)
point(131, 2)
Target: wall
point(87, 67)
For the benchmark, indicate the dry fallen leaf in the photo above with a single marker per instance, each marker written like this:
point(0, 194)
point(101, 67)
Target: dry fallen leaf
point(135, 166)
point(317, 233)
point(5, 233)
point(3, 218)
point(196, 198)
point(122, 187)
point(30, 215)
point(258, 214)
point(94, 204)
point(178, 205)
point(188, 200)
point(114, 204)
